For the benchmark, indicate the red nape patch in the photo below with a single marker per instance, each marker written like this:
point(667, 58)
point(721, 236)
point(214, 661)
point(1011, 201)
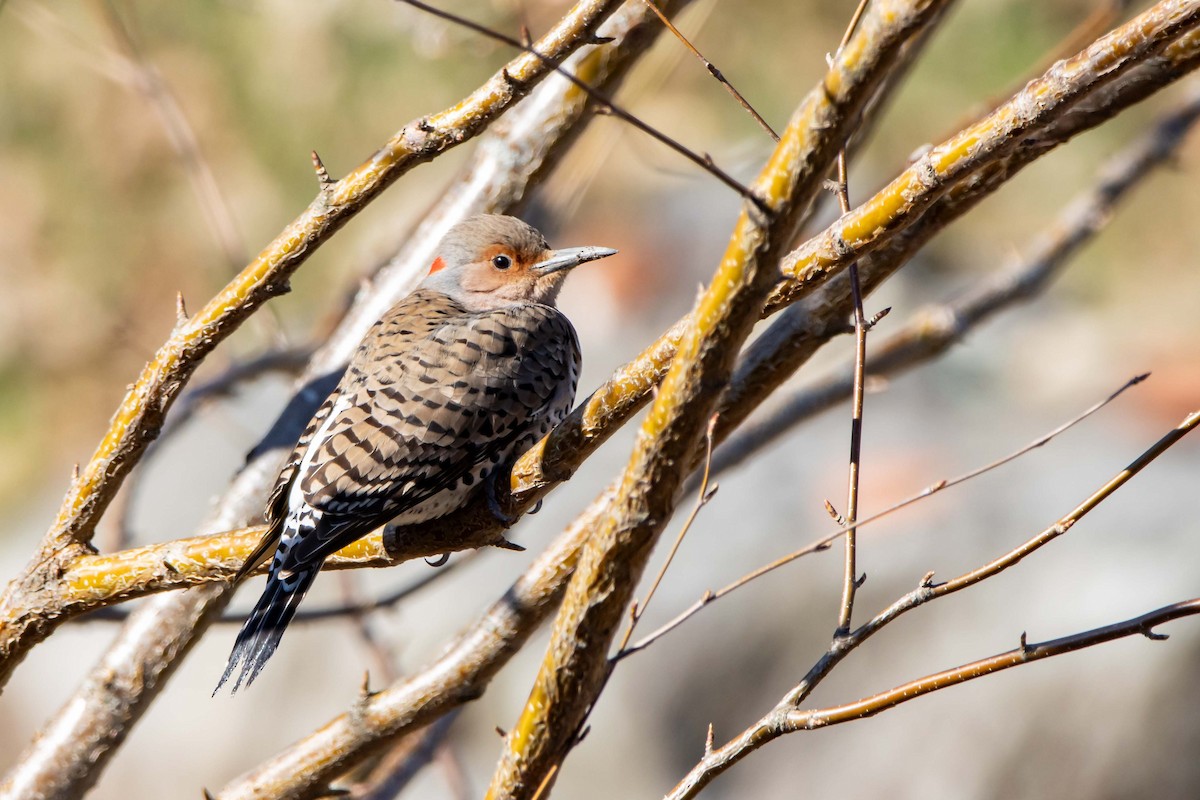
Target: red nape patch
point(437, 266)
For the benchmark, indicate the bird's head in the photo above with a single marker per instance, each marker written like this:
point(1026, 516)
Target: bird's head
point(492, 261)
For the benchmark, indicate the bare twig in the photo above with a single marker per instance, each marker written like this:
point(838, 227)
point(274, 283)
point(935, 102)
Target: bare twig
point(784, 720)
point(712, 70)
point(704, 161)
point(825, 542)
point(768, 729)
point(706, 494)
point(850, 579)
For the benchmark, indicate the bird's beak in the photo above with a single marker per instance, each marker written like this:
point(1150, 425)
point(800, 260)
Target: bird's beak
point(570, 257)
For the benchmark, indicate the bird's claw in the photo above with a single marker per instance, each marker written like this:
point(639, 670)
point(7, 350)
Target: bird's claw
point(440, 561)
point(505, 544)
point(493, 502)
point(536, 508)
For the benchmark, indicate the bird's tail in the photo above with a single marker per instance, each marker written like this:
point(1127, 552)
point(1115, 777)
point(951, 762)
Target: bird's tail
point(261, 634)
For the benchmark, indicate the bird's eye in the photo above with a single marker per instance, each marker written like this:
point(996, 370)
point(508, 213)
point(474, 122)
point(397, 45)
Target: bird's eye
point(501, 262)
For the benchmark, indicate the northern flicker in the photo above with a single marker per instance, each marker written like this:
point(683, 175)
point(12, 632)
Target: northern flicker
point(469, 370)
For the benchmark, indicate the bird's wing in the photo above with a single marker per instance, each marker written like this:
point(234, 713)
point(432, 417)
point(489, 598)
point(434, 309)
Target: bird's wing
point(432, 395)
point(277, 502)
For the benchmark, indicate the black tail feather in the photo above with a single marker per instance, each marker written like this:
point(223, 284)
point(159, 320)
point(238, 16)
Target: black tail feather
point(261, 634)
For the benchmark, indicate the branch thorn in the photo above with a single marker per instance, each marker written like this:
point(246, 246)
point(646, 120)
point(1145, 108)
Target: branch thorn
point(181, 314)
point(708, 741)
point(926, 580)
point(1150, 634)
point(323, 178)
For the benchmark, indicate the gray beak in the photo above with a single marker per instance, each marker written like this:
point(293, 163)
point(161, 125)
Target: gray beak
point(571, 257)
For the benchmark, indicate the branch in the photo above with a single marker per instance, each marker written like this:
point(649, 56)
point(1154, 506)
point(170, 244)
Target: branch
point(712, 70)
point(992, 139)
point(825, 542)
point(705, 162)
point(317, 614)
point(936, 329)
point(783, 721)
point(803, 329)
point(460, 675)
point(767, 728)
point(614, 556)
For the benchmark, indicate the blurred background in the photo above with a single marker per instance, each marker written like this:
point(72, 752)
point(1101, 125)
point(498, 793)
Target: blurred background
point(103, 221)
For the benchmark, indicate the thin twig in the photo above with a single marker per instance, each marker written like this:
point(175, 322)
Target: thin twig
point(705, 494)
point(712, 69)
point(850, 579)
point(782, 720)
point(704, 161)
point(768, 727)
point(824, 543)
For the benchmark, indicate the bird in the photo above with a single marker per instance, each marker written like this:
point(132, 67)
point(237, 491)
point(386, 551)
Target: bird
point(472, 368)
